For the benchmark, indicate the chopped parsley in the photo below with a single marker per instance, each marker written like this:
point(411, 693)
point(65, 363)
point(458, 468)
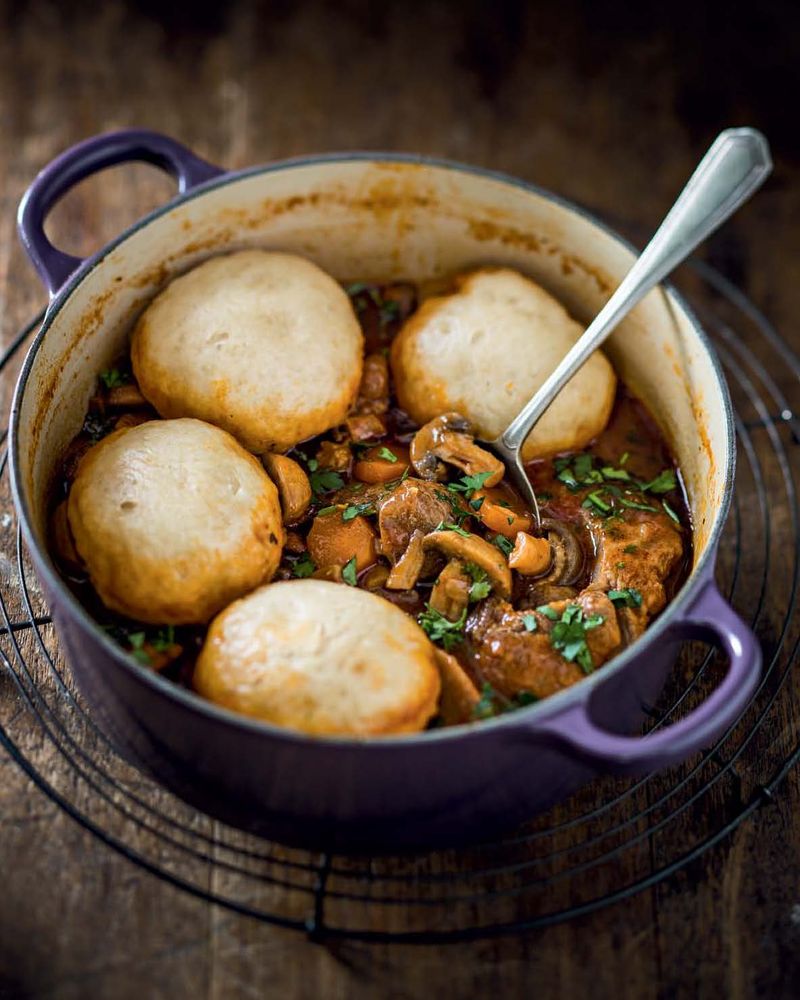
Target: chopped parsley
point(477, 503)
point(633, 504)
point(548, 612)
point(630, 549)
point(568, 636)
point(664, 482)
point(492, 703)
point(113, 377)
point(530, 623)
point(671, 512)
point(594, 500)
point(327, 510)
point(303, 567)
point(469, 484)
point(165, 637)
point(349, 572)
point(389, 311)
point(323, 480)
point(485, 707)
point(356, 509)
point(610, 473)
point(505, 545)
point(136, 639)
point(628, 597)
point(449, 526)
point(387, 454)
point(481, 587)
point(624, 457)
point(440, 629)
point(161, 642)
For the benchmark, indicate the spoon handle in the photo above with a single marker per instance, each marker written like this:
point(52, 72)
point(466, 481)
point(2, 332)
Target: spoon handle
point(735, 166)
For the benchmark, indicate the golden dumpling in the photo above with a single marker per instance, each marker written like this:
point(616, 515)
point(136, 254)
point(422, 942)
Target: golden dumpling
point(265, 345)
point(321, 658)
point(173, 520)
point(485, 349)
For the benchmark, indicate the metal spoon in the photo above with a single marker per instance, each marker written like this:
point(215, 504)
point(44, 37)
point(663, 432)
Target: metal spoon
point(735, 166)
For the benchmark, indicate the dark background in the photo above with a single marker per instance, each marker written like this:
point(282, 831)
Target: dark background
point(609, 104)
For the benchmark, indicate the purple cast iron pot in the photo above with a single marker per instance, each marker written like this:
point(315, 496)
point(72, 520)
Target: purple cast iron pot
point(374, 216)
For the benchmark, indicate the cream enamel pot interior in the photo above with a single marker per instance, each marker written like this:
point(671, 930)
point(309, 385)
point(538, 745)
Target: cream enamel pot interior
point(375, 217)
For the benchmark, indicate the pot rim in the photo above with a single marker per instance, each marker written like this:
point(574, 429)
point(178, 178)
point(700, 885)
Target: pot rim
point(526, 717)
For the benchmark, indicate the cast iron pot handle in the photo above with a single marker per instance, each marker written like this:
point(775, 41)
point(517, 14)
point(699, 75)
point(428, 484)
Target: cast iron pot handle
point(81, 161)
point(710, 617)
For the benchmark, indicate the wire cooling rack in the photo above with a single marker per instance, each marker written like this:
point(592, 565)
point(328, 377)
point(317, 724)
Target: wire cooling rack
point(611, 840)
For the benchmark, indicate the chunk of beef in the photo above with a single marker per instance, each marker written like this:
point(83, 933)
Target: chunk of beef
point(639, 553)
point(510, 657)
point(413, 505)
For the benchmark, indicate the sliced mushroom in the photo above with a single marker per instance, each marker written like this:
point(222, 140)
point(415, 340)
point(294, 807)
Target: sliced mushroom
point(459, 696)
point(568, 557)
point(376, 577)
point(472, 548)
point(450, 594)
point(530, 556)
point(126, 397)
point(293, 485)
point(408, 567)
point(448, 438)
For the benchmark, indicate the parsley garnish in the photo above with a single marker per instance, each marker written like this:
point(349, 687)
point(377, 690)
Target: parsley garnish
point(630, 549)
point(440, 629)
point(165, 637)
point(449, 526)
point(664, 482)
point(327, 510)
point(477, 504)
point(485, 707)
point(624, 457)
point(388, 454)
point(505, 545)
point(349, 572)
point(611, 473)
point(469, 484)
point(628, 597)
point(137, 640)
point(303, 567)
point(525, 698)
point(637, 506)
point(568, 636)
point(530, 623)
point(355, 509)
point(548, 612)
point(323, 481)
point(594, 500)
point(389, 311)
point(113, 378)
point(480, 582)
point(671, 512)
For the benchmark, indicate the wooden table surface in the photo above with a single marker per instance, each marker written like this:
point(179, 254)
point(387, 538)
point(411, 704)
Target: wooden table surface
point(607, 105)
